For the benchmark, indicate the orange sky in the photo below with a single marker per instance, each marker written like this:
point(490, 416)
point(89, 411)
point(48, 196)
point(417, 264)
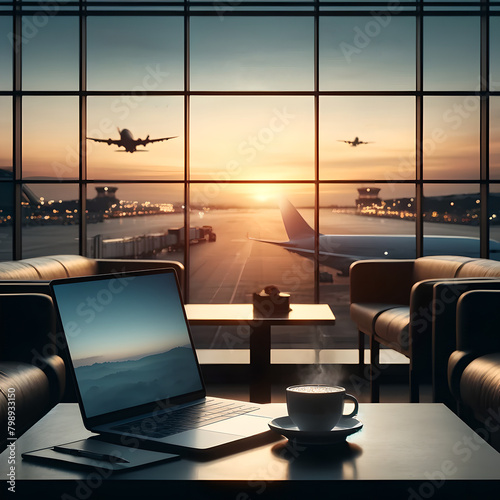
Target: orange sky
point(253, 138)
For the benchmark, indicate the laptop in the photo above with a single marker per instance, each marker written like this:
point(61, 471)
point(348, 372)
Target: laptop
point(137, 377)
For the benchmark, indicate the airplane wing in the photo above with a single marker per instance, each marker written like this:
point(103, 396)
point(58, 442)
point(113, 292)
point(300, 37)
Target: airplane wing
point(301, 241)
point(347, 142)
point(339, 261)
point(273, 242)
point(148, 140)
point(308, 252)
point(107, 141)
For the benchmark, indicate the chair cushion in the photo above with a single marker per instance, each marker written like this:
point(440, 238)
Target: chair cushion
point(17, 270)
point(480, 268)
point(364, 314)
point(47, 269)
point(442, 266)
point(392, 326)
point(480, 385)
point(76, 265)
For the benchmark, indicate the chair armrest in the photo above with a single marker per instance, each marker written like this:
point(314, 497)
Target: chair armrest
point(23, 286)
point(384, 281)
point(458, 362)
point(32, 393)
point(55, 370)
point(421, 322)
point(28, 337)
point(446, 294)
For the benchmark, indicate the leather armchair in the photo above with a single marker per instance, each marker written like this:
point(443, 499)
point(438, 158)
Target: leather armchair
point(28, 273)
point(410, 306)
point(474, 367)
point(30, 366)
point(391, 304)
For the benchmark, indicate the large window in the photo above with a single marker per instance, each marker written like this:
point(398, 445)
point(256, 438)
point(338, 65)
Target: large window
point(257, 143)
point(143, 116)
point(252, 53)
point(252, 138)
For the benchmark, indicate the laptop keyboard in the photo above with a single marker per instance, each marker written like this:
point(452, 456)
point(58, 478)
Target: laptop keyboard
point(183, 419)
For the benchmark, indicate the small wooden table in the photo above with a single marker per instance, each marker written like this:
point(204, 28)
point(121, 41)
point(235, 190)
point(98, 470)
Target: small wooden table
point(260, 333)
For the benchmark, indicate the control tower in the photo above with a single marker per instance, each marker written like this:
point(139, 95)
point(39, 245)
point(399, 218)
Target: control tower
point(106, 196)
point(368, 197)
point(106, 191)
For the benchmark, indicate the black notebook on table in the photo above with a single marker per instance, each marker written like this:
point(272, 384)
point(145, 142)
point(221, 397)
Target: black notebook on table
point(96, 454)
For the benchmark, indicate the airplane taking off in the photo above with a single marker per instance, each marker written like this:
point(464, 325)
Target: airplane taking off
point(339, 251)
point(355, 143)
point(127, 141)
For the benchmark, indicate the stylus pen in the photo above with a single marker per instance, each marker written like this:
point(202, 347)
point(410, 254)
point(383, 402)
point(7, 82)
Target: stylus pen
point(89, 454)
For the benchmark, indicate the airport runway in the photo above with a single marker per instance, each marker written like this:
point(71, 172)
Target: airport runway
point(233, 267)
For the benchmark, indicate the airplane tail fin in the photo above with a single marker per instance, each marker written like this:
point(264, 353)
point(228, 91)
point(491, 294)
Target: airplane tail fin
point(295, 225)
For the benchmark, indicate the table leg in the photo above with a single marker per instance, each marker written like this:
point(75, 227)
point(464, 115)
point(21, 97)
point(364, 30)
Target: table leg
point(374, 370)
point(361, 350)
point(260, 364)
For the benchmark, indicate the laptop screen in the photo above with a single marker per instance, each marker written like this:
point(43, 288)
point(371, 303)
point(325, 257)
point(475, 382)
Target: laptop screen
point(128, 340)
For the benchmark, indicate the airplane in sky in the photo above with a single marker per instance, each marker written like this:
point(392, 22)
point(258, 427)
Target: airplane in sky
point(355, 143)
point(339, 251)
point(127, 141)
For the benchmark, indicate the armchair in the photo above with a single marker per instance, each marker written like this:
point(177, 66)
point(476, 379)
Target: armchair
point(30, 366)
point(474, 368)
point(409, 306)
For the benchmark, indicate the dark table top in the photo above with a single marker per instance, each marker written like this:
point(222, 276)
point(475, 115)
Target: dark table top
point(403, 450)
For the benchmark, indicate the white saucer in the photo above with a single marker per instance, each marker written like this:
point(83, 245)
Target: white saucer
point(345, 427)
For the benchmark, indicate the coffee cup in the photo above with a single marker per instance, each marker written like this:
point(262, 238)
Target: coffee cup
point(317, 407)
